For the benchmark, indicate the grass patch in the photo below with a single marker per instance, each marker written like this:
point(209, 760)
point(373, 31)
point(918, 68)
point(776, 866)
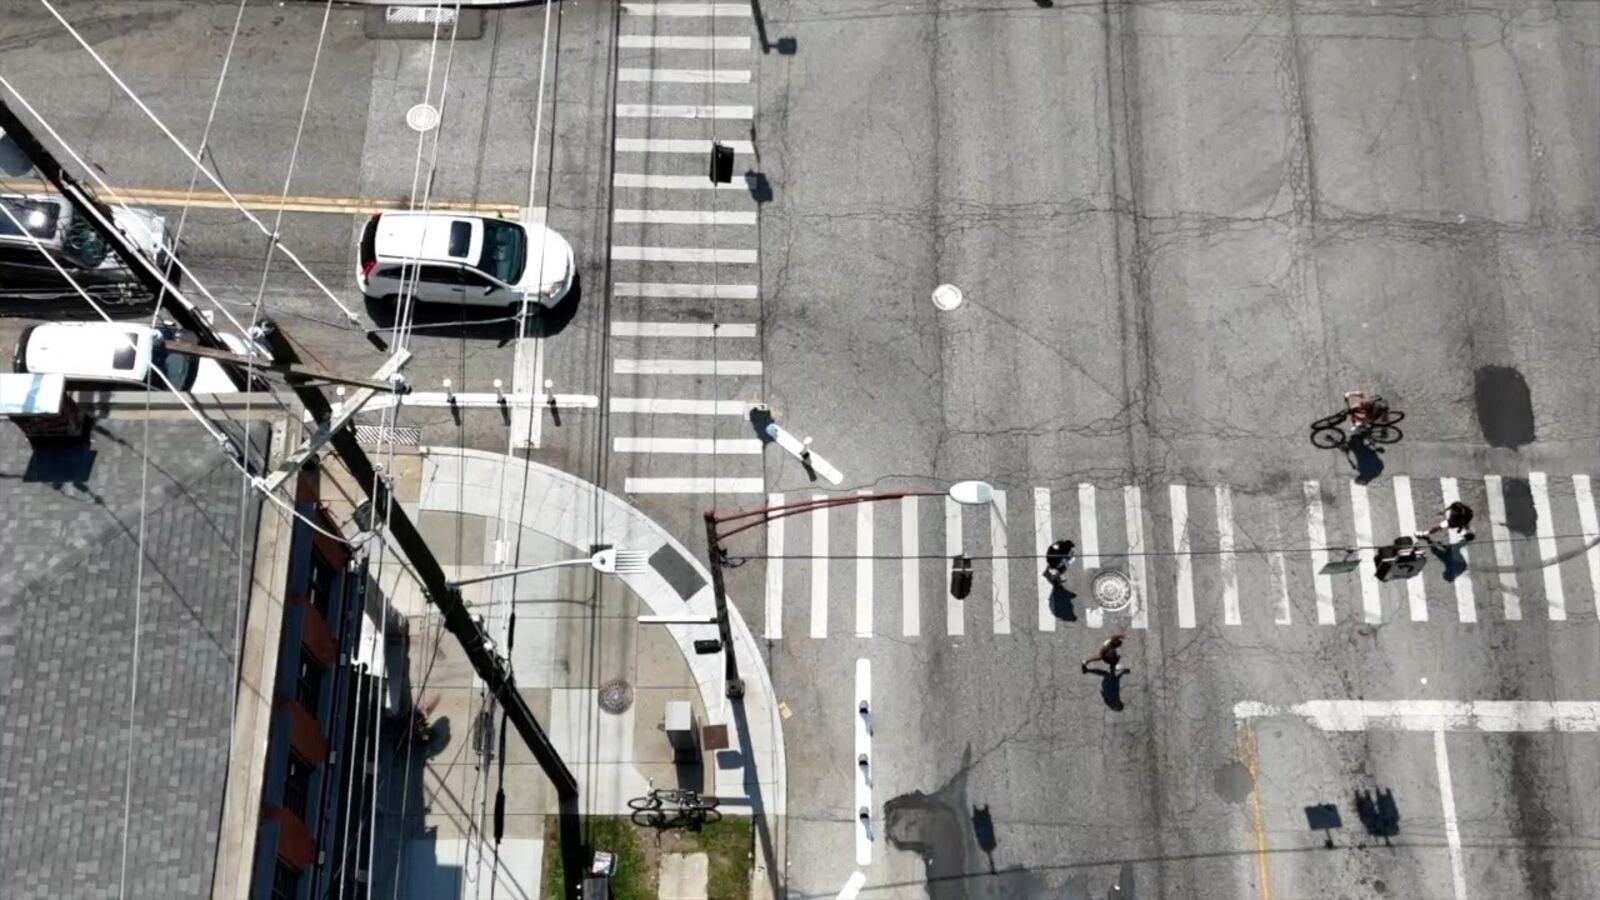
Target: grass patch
point(727, 845)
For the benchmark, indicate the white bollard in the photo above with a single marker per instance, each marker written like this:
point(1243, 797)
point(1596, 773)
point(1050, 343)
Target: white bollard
point(449, 395)
point(499, 395)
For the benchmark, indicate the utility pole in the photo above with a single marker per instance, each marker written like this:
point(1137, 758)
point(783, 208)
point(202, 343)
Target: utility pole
point(733, 684)
point(489, 665)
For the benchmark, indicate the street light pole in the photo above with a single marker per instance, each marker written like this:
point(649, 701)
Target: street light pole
point(966, 493)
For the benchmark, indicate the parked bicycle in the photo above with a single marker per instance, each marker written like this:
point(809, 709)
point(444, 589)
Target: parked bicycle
point(670, 807)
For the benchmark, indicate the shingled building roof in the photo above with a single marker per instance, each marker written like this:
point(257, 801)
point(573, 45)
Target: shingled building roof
point(69, 526)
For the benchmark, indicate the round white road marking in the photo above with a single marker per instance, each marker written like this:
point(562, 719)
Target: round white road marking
point(947, 297)
point(422, 117)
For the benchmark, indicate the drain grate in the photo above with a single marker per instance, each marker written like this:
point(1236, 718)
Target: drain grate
point(401, 436)
point(615, 697)
point(1113, 591)
point(418, 15)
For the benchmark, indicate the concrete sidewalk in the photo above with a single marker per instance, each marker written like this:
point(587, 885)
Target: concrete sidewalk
point(575, 631)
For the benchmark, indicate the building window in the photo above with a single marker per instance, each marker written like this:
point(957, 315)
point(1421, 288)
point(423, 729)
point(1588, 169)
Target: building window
point(323, 580)
point(308, 687)
point(285, 882)
point(297, 786)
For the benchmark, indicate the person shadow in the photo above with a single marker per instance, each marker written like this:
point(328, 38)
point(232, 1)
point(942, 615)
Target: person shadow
point(1061, 605)
point(1451, 557)
point(1111, 687)
point(1366, 460)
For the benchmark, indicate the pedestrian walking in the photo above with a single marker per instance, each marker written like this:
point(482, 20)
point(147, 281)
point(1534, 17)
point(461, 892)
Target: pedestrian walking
point(1056, 559)
point(1455, 519)
point(1110, 654)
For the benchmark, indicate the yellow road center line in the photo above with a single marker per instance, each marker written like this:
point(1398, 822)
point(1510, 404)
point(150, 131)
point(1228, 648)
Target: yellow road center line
point(1258, 818)
point(268, 202)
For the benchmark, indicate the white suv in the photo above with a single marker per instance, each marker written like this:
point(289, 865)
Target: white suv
point(473, 260)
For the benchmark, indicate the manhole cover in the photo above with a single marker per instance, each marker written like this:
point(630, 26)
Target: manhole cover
point(1113, 591)
point(422, 117)
point(947, 297)
point(616, 697)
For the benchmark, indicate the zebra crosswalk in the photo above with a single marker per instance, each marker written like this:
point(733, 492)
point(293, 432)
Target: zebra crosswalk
point(1196, 556)
point(684, 338)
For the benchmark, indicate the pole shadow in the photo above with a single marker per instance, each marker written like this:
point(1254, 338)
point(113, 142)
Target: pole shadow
point(752, 785)
point(785, 46)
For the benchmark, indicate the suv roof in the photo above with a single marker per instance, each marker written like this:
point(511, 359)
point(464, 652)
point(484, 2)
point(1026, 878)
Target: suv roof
point(429, 237)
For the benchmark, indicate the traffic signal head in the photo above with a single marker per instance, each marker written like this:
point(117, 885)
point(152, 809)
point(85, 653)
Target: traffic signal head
point(960, 576)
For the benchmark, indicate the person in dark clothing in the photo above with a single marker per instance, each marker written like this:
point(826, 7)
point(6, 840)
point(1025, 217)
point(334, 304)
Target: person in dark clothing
point(1453, 518)
point(1110, 654)
point(1056, 559)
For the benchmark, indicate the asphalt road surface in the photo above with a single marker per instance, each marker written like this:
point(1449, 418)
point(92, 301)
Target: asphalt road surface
point(1180, 231)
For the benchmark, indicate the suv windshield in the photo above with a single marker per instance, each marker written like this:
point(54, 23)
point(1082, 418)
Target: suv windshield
point(181, 368)
point(505, 248)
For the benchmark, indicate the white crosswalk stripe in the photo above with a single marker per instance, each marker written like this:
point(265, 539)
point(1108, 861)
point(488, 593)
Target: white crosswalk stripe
point(1178, 497)
point(685, 76)
point(1583, 492)
point(1089, 529)
point(1505, 560)
point(1416, 588)
point(1361, 517)
point(686, 346)
point(1000, 575)
point(774, 605)
point(1225, 558)
point(1043, 532)
point(1466, 602)
point(685, 10)
point(700, 147)
point(681, 42)
point(1317, 540)
point(683, 111)
point(819, 570)
point(1138, 573)
point(910, 573)
point(1554, 593)
point(684, 291)
point(1251, 561)
point(954, 608)
point(864, 568)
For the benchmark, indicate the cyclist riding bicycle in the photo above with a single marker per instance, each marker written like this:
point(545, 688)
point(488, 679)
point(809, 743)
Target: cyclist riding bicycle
point(1364, 412)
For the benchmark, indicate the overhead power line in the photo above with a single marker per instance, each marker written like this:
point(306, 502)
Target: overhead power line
point(200, 166)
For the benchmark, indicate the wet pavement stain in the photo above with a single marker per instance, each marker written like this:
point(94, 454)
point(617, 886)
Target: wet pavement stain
point(941, 828)
point(1504, 405)
point(1232, 782)
point(1521, 517)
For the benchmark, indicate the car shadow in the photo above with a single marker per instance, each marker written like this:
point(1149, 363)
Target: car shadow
point(494, 323)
